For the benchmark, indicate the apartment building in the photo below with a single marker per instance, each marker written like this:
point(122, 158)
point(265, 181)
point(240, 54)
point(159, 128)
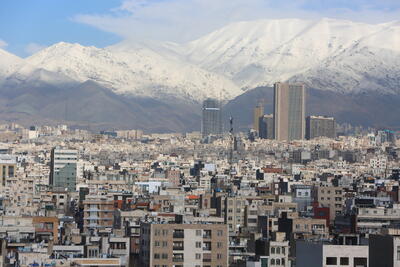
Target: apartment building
point(8, 166)
point(331, 197)
point(178, 245)
point(235, 212)
point(98, 213)
point(63, 168)
point(279, 251)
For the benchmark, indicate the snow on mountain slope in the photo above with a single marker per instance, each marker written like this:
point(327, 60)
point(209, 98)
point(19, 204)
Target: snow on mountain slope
point(8, 63)
point(326, 54)
point(262, 52)
point(370, 64)
point(138, 71)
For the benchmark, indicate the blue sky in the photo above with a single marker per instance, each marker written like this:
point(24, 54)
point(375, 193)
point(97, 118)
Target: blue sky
point(27, 26)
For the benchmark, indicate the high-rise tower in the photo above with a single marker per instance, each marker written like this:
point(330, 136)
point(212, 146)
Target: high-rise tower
point(257, 114)
point(289, 111)
point(211, 118)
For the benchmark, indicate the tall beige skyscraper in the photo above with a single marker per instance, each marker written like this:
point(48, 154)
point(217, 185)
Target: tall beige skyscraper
point(289, 111)
point(257, 114)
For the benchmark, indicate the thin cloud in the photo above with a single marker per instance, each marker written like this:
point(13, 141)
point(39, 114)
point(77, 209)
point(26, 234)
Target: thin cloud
point(184, 20)
point(33, 48)
point(3, 43)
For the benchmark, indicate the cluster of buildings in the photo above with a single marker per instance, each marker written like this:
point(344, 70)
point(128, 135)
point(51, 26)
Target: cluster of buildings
point(126, 198)
point(83, 199)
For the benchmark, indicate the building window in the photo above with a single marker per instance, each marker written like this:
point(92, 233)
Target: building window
point(156, 243)
point(272, 250)
point(198, 244)
point(198, 256)
point(219, 244)
point(220, 233)
point(344, 261)
point(360, 262)
point(331, 261)
point(219, 256)
point(156, 255)
point(198, 232)
point(164, 256)
point(398, 253)
point(164, 244)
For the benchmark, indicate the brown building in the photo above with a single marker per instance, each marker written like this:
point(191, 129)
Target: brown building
point(194, 245)
point(289, 111)
point(46, 228)
point(98, 213)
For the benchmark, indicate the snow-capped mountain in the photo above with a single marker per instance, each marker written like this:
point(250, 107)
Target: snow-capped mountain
point(138, 72)
point(330, 54)
point(327, 54)
point(9, 63)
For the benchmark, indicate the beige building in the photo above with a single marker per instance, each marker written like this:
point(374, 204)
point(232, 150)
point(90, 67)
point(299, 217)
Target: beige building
point(332, 198)
point(189, 245)
point(235, 212)
point(289, 111)
point(8, 167)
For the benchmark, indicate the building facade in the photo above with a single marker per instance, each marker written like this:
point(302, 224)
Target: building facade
point(8, 166)
point(320, 126)
point(192, 245)
point(289, 111)
point(266, 124)
point(211, 118)
point(63, 168)
point(257, 114)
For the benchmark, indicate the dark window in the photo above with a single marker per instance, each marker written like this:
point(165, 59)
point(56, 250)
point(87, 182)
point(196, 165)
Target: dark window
point(331, 261)
point(360, 262)
point(344, 261)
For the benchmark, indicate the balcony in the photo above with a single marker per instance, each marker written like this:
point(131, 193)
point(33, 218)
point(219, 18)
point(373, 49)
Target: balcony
point(178, 234)
point(178, 246)
point(177, 258)
point(207, 246)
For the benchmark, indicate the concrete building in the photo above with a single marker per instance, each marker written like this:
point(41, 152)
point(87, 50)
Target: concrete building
point(326, 255)
point(63, 168)
point(331, 197)
point(289, 111)
point(266, 125)
point(320, 126)
point(211, 118)
point(98, 213)
point(192, 245)
point(8, 166)
point(279, 251)
point(235, 212)
point(258, 112)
